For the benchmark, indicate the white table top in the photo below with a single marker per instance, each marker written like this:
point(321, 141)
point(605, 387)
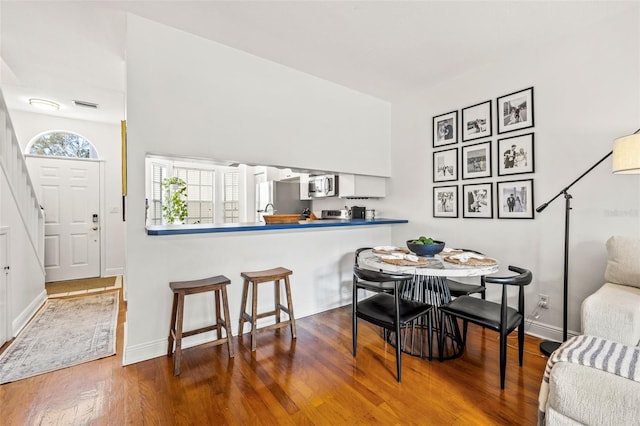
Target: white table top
point(435, 267)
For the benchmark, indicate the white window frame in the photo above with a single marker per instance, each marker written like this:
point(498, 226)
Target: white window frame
point(218, 211)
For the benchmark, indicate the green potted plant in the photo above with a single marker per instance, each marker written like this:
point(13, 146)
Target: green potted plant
point(174, 206)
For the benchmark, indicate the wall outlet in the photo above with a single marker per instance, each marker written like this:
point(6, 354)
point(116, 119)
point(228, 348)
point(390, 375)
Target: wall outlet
point(543, 301)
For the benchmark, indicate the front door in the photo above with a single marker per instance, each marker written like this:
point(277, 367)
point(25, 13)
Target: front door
point(69, 190)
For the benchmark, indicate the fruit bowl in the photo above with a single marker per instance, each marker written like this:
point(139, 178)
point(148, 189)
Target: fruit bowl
point(426, 250)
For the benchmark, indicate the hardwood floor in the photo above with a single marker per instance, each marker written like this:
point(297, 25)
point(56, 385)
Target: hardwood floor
point(313, 380)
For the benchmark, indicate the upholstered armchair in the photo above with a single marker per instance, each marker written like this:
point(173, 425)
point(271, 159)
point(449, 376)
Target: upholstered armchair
point(594, 378)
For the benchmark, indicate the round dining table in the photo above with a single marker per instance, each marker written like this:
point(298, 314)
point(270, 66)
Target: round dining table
point(428, 285)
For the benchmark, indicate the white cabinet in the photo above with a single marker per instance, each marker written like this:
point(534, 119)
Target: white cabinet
point(264, 173)
point(304, 186)
point(360, 186)
point(288, 174)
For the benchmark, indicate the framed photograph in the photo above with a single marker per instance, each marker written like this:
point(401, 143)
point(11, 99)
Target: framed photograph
point(476, 121)
point(515, 155)
point(445, 129)
point(515, 111)
point(515, 199)
point(477, 200)
point(445, 201)
point(445, 165)
point(476, 160)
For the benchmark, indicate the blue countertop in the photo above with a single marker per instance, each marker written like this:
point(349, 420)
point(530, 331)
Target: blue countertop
point(260, 226)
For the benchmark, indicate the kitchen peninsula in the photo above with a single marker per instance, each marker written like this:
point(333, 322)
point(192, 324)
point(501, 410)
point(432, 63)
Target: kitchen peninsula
point(261, 226)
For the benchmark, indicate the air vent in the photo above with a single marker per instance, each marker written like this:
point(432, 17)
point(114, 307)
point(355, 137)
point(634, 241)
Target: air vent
point(86, 104)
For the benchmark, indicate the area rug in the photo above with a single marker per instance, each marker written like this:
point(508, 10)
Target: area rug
point(64, 333)
point(79, 285)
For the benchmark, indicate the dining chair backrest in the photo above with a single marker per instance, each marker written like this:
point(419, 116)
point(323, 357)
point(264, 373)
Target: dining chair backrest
point(523, 278)
point(379, 277)
point(358, 251)
point(375, 280)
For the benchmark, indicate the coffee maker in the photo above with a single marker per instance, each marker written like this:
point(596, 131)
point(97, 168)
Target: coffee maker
point(358, 212)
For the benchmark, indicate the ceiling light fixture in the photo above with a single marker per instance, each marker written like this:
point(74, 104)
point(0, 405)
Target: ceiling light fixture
point(44, 104)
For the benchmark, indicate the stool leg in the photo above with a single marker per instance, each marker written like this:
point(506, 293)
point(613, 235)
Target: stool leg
point(243, 307)
point(173, 323)
point(276, 288)
point(292, 319)
point(178, 353)
point(218, 322)
point(227, 323)
point(254, 314)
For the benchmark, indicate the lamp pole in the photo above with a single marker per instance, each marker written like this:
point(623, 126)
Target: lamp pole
point(547, 347)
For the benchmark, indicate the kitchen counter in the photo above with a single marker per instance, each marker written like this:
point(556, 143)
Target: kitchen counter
point(261, 226)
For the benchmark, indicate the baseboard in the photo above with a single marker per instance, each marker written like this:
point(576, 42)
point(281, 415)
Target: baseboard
point(110, 272)
point(21, 320)
point(157, 348)
point(546, 331)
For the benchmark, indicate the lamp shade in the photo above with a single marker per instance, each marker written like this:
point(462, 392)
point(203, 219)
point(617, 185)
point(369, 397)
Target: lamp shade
point(626, 154)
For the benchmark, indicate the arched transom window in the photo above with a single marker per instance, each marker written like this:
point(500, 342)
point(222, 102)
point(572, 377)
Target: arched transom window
point(62, 144)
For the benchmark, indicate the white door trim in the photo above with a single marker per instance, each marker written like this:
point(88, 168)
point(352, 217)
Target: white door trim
point(5, 320)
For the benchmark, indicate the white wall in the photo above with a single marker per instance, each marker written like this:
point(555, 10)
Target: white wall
point(106, 139)
point(194, 98)
point(586, 94)
point(321, 261)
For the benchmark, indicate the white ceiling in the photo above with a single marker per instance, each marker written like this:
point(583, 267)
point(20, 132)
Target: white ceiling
point(76, 50)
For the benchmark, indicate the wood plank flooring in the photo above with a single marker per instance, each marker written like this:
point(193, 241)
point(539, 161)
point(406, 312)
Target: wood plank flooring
point(312, 380)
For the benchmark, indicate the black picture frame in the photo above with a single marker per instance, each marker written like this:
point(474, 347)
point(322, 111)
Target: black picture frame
point(445, 129)
point(477, 201)
point(445, 165)
point(516, 155)
point(476, 160)
point(515, 111)
point(476, 121)
point(445, 201)
point(521, 205)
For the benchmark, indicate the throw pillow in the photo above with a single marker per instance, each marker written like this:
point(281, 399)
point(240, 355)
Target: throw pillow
point(623, 265)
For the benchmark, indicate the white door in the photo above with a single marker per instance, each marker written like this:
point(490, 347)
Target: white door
point(4, 290)
point(69, 191)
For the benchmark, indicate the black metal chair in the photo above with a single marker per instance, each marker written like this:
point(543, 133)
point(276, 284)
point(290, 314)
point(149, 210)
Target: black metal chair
point(386, 309)
point(458, 289)
point(496, 316)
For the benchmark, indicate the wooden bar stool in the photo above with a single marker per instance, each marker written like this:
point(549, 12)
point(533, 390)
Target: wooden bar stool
point(256, 278)
point(218, 285)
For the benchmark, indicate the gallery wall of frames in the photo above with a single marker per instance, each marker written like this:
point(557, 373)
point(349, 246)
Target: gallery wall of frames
point(480, 169)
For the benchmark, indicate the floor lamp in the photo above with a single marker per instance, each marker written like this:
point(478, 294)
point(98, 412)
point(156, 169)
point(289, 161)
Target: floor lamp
point(626, 160)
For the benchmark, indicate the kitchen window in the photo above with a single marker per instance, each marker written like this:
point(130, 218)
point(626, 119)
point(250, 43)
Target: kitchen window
point(200, 191)
point(213, 192)
point(231, 197)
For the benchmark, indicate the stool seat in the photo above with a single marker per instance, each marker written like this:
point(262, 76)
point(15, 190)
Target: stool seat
point(199, 286)
point(266, 275)
point(180, 289)
point(252, 279)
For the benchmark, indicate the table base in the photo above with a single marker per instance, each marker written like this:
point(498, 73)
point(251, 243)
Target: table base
point(414, 339)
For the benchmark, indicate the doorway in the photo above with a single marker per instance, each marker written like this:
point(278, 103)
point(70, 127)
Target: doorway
point(69, 190)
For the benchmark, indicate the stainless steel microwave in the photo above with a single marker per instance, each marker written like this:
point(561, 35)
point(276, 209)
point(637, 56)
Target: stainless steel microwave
point(323, 186)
